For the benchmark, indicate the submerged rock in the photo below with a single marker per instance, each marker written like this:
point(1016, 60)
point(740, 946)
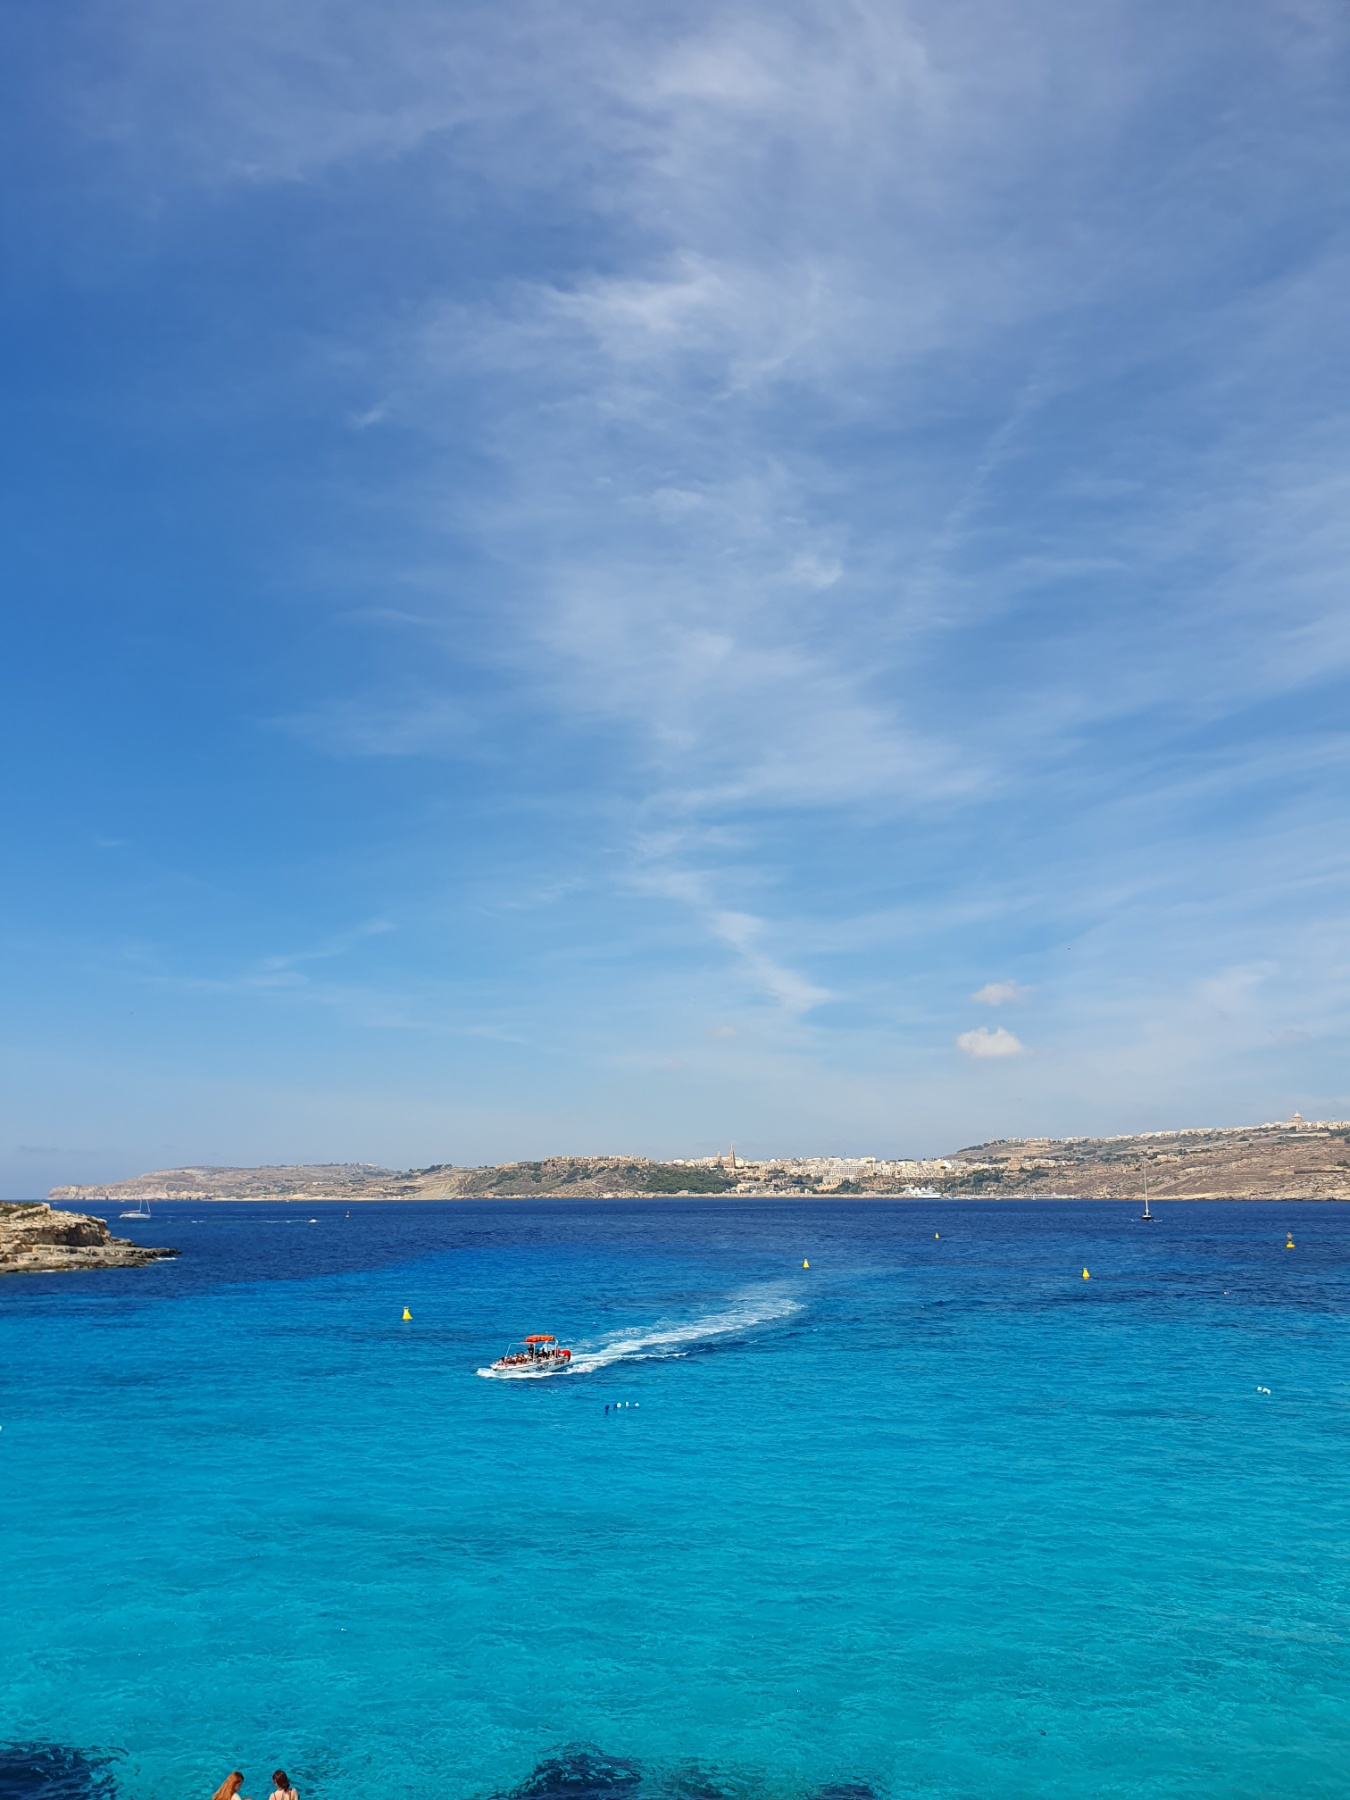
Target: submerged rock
point(35, 1240)
point(53, 1772)
point(580, 1773)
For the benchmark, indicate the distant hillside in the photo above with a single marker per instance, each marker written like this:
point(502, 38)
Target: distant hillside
point(1278, 1162)
point(301, 1181)
point(1295, 1161)
point(577, 1175)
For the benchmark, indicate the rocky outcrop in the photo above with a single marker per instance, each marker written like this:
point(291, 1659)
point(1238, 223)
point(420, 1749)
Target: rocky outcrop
point(35, 1240)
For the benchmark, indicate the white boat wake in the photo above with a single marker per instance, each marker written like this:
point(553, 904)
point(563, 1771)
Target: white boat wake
point(744, 1312)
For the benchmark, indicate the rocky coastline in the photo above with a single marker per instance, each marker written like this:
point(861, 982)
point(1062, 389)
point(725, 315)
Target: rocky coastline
point(37, 1240)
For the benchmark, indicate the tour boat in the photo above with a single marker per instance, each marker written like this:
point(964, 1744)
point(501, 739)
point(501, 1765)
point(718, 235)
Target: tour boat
point(540, 1354)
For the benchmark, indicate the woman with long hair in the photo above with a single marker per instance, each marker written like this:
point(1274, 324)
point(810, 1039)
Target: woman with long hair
point(230, 1787)
point(281, 1786)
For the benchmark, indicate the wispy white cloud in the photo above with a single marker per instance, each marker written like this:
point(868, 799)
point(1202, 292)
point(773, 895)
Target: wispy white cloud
point(792, 991)
point(376, 725)
point(339, 945)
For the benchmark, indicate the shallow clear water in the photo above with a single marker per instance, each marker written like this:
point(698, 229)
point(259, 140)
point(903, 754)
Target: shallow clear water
point(935, 1516)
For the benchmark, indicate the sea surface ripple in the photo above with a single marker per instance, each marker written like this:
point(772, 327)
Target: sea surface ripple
point(934, 1516)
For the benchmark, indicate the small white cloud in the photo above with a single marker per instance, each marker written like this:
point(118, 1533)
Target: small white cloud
point(983, 1042)
point(724, 1031)
point(1001, 993)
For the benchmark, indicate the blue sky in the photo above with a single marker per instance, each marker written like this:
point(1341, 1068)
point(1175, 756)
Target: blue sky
point(621, 577)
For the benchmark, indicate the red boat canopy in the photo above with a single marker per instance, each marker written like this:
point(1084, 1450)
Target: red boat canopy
point(541, 1340)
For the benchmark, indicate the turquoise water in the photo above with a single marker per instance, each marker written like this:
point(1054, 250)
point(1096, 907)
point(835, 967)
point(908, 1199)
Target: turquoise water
point(934, 1517)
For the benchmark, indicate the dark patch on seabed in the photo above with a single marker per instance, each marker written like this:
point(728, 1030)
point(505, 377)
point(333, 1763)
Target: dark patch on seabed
point(53, 1772)
point(580, 1772)
point(577, 1772)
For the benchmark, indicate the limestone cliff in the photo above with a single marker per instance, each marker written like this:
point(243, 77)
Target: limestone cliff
point(34, 1240)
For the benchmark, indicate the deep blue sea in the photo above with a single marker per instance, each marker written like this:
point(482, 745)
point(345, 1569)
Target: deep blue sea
point(934, 1516)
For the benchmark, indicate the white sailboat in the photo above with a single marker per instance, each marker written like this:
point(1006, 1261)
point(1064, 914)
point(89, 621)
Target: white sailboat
point(142, 1211)
point(1146, 1214)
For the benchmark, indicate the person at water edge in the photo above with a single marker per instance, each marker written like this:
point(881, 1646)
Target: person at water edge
point(281, 1786)
point(230, 1787)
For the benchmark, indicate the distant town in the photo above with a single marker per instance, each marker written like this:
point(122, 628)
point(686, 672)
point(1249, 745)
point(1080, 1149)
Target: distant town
point(1293, 1159)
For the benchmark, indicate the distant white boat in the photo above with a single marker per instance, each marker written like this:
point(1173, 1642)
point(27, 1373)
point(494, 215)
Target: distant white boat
point(142, 1211)
point(920, 1193)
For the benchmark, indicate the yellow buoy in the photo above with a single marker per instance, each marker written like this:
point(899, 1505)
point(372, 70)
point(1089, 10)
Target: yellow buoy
point(937, 1234)
point(1290, 1244)
point(406, 1313)
point(805, 1264)
point(1086, 1276)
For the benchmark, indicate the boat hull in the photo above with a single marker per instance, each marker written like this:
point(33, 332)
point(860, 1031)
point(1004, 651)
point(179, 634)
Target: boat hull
point(527, 1368)
point(535, 1371)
